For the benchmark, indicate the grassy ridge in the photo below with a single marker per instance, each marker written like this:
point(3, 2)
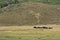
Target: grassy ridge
point(26, 13)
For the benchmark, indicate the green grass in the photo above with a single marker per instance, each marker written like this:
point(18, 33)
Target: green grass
point(52, 2)
point(29, 33)
point(56, 2)
point(43, 1)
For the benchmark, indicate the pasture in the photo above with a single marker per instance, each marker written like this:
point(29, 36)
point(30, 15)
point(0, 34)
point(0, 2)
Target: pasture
point(29, 33)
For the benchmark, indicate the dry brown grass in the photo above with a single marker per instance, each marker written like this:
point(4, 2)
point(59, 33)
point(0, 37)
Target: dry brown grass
point(25, 14)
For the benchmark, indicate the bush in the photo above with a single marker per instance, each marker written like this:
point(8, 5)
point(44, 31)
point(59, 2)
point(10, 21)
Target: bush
point(13, 1)
point(3, 5)
point(7, 2)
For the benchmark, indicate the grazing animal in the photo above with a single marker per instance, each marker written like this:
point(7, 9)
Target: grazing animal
point(37, 27)
point(43, 27)
point(50, 27)
point(34, 27)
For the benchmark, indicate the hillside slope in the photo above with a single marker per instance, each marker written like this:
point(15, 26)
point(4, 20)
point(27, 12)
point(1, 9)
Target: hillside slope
point(30, 13)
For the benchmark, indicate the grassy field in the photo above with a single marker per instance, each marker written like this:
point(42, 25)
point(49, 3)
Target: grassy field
point(25, 12)
point(29, 33)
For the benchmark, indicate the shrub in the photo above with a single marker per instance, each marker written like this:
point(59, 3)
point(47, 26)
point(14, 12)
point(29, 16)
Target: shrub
point(13, 1)
point(3, 5)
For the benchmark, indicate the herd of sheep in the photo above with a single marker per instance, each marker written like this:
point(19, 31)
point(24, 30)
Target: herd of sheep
point(42, 27)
